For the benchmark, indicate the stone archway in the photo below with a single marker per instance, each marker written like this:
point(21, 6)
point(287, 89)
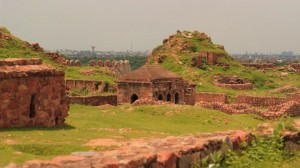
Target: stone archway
point(176, 98)
point(160, 97)
point(133, 98)
point(169, 97)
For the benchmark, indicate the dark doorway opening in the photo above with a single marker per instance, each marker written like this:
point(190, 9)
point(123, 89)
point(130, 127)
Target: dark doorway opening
point(134, 97)
point(168, 97)
point(96, 86)
point(176, 98)
point(56, 121)
point(32, 106)
point(160, 97)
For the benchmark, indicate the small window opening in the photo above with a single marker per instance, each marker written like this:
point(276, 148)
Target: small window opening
point(96, 86)
point(32, 106)
point(176, 98)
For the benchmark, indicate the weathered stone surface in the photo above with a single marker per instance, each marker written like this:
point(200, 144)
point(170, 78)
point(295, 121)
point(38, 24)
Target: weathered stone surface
point(32, 94)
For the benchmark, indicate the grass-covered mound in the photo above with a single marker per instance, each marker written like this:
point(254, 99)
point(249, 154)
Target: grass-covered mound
point(86, 123)
point(179, 50)
point(13, 47)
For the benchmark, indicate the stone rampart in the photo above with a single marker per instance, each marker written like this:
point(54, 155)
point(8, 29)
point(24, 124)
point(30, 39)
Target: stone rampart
point(94, 100)
point(91, 85)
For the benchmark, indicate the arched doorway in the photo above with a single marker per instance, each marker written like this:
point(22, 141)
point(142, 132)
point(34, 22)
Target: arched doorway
point(176, 98)
point(169, 97)
point(133, 98)
point(160, 97)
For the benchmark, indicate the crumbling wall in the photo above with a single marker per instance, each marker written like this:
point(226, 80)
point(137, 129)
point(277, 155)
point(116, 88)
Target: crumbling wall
point(91, 85)
point(232, 82)
point(260, 101)
point(211, 97)
point(126, 89)
point(94, 100)
point(32, 94)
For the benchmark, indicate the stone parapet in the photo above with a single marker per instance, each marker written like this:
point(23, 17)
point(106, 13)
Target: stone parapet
point(20, 68)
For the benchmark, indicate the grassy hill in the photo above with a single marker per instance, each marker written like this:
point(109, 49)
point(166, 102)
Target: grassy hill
point(179, 50)
point(13, 47)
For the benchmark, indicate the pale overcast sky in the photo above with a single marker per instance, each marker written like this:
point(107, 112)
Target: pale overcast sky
point(241, 25)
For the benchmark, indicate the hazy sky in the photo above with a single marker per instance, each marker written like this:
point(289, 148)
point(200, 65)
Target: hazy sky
point(241, 25)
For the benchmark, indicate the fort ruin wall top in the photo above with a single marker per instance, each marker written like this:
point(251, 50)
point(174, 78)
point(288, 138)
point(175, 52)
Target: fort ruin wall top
point(19, 68)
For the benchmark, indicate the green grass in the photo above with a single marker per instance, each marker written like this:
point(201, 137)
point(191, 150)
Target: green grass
point(86, 123)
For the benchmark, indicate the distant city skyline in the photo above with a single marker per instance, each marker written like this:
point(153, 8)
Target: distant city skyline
point(263, 26)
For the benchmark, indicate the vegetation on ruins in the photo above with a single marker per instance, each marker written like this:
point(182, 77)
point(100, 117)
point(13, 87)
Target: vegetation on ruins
point(178, 51)
point(260, 152)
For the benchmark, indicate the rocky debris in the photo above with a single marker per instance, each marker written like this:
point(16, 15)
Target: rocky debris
point(161, 152)
point(232, 82)
point(291, 108)
point(141, 102)
point(285, 89)
point(36, 47)
point(92, 63)
point(57, 58)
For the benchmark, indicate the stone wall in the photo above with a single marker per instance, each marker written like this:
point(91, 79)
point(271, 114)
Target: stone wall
point(32, 94)
point(260, 101)
point(259, 66)
point(171, 90)
point(91, 85)
point(211, 97)
point(127, 89)
point(94, 100)
point(293, 97)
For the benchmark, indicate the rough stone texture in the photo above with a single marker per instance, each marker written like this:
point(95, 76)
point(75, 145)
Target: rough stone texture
point(169, 152)
point(211, 97)
point(57, 58)
point(91, 85)
point(94, 100)
point(259, 66)
point(232, 82)
point(211, 57)
point(291, 108)
point(152, 82)
point(121, 68)
point(261, 101)
point(32, 94)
